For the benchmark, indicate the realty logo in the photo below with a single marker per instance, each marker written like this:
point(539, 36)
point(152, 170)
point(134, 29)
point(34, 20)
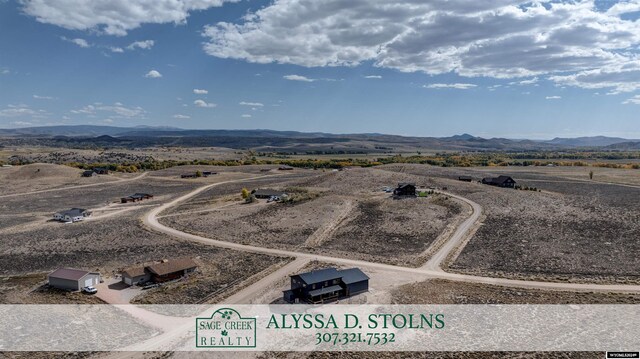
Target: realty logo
point(226, 328)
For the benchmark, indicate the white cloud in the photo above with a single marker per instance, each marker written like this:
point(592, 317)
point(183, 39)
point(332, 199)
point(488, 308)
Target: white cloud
point(145, 45)
point(201, 103)
point(17, 111)
point(42, 97)
point(21, 123)
point(553, 97)
point(498, 39)
point(4, 71)
point(80, 42)
point(200, 92)
point(297, 78)
point(246, 115)
point(118, 110)
point(153, 74)
point(114, 17)
point(373, 77)
point(457, 86)
point(181, 117)
point(528, 82)
point(107, 120)
point(635, 100)
point(252, 104)
point(116, 49)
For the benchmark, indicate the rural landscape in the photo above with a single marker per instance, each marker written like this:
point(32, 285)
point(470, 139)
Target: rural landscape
point(235, 232)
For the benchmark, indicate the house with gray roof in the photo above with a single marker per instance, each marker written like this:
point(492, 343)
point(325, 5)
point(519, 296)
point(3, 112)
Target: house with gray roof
point(326, 285)
point(72, 215)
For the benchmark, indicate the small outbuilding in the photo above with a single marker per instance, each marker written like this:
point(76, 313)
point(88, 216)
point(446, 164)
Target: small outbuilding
point(405, 189)
point(267, 193)
point(326, 285)
point(285, 168)
point(73, 279)
point(89, 174)
point(72, 215)
point(500, 181)
point(465, 178)
point(188, 175)
point(136, 197)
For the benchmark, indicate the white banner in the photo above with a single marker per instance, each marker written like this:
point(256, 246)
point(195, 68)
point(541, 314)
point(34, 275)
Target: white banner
point(320, 328)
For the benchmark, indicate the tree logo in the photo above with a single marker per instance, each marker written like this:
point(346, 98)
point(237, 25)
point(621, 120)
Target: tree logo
point(226, 328)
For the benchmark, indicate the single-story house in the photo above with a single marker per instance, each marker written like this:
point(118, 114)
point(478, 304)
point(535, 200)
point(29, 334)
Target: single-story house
point(72, 215)
point(188, 175)
point(101, 170)
point(465, 178)
point(267, 193)
point(285, 168)
point(326, 285)
point(163, 271)
point(136, 197)
point(208, 173)
point(135, 275)
point(73, 279)
point(500, 181)
point(405, 189)
point(89, 174)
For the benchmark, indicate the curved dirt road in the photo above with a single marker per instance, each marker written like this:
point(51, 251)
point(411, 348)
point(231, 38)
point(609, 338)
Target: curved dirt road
point(431, 269)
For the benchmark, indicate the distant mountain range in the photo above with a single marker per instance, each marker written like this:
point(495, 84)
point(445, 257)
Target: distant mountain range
point(288, 141)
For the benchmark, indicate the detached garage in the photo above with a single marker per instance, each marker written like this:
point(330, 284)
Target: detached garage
point(73, 279)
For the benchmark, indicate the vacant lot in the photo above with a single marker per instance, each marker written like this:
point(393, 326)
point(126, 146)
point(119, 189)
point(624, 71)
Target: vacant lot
point(572, 230)
point(440, 291)
point(42, 176)
point(350, 217)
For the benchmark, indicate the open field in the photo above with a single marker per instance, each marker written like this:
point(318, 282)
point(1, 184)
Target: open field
point(350, 217)
point(439, 291)
point(572, 230)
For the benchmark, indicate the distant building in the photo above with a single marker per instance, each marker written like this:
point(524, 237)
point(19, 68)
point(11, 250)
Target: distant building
point(188, 175)
point(72, 215)
point(405, 189)
point(267, 193)
point(163, 271)
point(88, 174)
point(73, 279)
point(285, 168)
point(326, 285)
point(101, 170)
point(500, 181)
point(136, 197)
point(209, 173)
point(465, 178)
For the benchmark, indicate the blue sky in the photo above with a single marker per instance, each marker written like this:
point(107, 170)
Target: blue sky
point(505, 69)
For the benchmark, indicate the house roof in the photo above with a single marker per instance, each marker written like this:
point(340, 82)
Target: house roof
point(403, 185)
point(464, 177)
point(73, 212)
point(318, 276)
point(172, 266)
point(353, 275)
point(134, 272)
point(498, 180)
point(69, 273)
point(325, 290)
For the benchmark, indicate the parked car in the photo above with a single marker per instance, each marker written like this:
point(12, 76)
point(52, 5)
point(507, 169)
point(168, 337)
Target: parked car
point(90, 290)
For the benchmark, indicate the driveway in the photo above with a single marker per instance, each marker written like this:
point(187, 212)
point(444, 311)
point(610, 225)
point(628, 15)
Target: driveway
point(113, 291)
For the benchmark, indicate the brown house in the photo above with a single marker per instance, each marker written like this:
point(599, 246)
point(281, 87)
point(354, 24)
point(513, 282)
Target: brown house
point(163, 271)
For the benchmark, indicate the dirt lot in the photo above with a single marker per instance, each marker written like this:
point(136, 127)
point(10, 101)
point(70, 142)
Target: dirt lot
point(351, 217)
point(572, 230)
point(41, 176)
point(440, 291)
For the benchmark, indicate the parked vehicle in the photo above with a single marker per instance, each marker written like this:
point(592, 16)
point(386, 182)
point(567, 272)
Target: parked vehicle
point(90, 290)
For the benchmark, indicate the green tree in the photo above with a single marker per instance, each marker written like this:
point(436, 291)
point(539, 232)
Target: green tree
point(245, 193)
point(198, 173)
